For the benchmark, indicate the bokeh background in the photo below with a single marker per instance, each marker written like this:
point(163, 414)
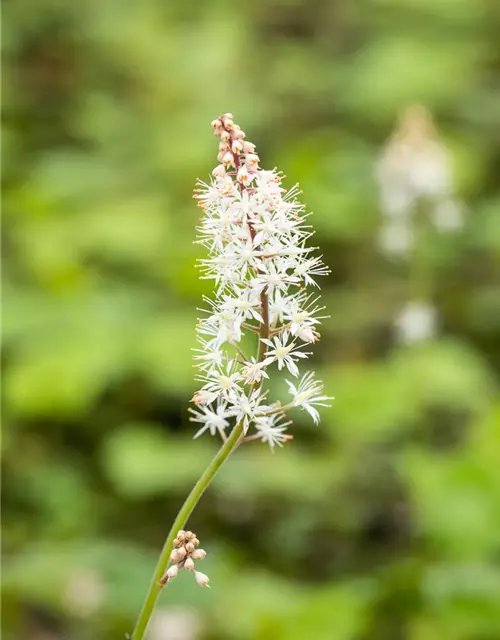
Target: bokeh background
point(383, 523)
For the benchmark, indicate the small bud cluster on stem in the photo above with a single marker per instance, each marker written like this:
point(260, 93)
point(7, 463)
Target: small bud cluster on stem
point(183, 555)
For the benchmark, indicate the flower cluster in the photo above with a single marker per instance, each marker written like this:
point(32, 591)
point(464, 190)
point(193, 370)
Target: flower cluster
point(183, 555)
point(414, 171)
point(255, 233)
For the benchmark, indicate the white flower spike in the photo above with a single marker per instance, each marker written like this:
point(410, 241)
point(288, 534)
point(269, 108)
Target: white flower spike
point(255, 233)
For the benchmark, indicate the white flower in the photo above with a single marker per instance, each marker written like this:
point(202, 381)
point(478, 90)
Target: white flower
point(284, 353)
point(414, 174)
point(246, 407)
point(271, 429)
point(416, 322)
point(396, 237)
point(213, 420)
point(448, 216)
point(223, 383)
point(307, 393)
point(254, 371)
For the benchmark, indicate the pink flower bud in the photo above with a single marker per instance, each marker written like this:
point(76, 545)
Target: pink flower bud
point(242, 175)
point(178, 554)
point(219, 171)
point(198, 554)
point(189, 564)
point(252, 161)
point(237, 146)
point(248, 147)
point(172, 572)
point(228, 159)
point(201, 579)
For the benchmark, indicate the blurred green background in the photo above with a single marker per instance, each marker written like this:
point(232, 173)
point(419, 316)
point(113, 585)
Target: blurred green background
point(384, 522)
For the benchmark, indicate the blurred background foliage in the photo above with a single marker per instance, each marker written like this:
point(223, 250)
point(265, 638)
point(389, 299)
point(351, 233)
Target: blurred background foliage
point(384, 522)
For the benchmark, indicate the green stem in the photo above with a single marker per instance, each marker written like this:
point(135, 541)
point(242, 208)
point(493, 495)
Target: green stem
point(191, 501)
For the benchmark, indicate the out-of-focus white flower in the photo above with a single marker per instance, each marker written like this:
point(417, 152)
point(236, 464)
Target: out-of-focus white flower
point(255, 233)
point(85, 592)
point(414, 168)
point(448, 216)
point(174, 624)
point(416, 322)
point(396, 237)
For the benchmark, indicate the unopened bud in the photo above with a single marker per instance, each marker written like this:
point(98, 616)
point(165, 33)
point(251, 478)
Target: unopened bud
point(242, 175)
point(223, 147)
point(228, 115)
point(178, 554)
point(252, 161)
point(248, 147)
point(237, 146)
point(189, 547)
point(172, 572)
point(198, 554)
point(201, 579)
point(216, 123)
point(189, 535)
point(225, 136)
point(228, 124)
point(228, 159)
point(195, 541)
point(219, 171)
point(189, 564)
point(238, 133)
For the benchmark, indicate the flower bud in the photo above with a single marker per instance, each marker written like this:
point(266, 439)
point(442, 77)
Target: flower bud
point(189, 547)
point(178, 554)
point(189, 535)
point(189, 564)
point(242, 175)
point(201, 579)
point(223, 147)
point(237, 146)
point(228, 124)
point(228, 159)
point(228, 115)
point(195, 541)
point(198, 554)
point(216, 123)
point(225, 136)
point(219, 171)
point(172, 572)
point(252, 161)
point(248, 147)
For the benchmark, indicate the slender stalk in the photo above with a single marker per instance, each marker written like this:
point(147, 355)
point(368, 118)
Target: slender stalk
point(191, 501)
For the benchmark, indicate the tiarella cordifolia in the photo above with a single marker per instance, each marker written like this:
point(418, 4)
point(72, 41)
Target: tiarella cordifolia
point(265, 281)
